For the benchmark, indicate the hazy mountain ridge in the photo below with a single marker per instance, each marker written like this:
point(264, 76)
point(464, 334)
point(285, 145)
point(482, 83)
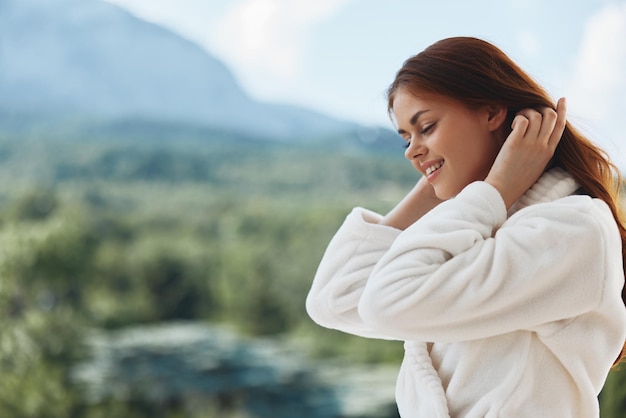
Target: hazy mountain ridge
point(85, 60)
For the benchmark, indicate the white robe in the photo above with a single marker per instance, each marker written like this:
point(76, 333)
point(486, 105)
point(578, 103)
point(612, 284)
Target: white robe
point(512, 314)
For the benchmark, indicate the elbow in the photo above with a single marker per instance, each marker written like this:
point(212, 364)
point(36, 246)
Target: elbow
point(320, 310)
point(313, 308)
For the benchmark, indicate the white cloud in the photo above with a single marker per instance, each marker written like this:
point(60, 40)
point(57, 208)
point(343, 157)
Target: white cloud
point(270, 35)
point(598, 87)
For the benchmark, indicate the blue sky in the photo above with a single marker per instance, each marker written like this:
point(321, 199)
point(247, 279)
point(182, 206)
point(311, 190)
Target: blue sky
point(338, 56)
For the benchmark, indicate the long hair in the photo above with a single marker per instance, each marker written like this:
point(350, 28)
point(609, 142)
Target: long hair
point(477, 73)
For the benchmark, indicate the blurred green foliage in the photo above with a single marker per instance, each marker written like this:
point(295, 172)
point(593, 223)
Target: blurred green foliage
point(111, 232)
point(114, 232)
point(613, 396)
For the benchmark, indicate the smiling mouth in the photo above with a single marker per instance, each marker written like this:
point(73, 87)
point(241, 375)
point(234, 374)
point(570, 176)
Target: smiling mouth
point(434, 168)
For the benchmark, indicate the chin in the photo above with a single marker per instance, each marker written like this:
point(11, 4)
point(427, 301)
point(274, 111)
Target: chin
point(443, 195)
point(446, 194)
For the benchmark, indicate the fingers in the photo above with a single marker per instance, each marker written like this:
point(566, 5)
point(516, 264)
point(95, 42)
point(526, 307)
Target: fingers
point(519, 126)
point(520, 119)
point(545, 125)
point(535, 122)
point(527, 150)
point(559, 126)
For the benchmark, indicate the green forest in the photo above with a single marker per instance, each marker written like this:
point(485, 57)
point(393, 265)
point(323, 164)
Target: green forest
point(108, 229)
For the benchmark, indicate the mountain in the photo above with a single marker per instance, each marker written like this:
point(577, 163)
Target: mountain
point(69, 60)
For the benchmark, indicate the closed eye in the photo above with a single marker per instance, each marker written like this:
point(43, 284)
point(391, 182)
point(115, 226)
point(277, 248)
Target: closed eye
point(423, 132)
point(427, 128)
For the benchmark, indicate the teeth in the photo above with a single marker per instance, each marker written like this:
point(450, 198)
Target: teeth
point(434, 167)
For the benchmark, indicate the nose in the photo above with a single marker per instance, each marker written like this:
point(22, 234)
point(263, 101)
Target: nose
point(415, 150)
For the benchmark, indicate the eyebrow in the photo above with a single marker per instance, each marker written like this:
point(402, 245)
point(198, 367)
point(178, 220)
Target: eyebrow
point(414, 119)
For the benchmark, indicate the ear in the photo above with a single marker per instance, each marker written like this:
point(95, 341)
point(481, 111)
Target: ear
point(496, 115)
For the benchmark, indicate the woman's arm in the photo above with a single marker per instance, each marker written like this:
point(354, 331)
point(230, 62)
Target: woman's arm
point(465, 272)
point(350, 257)
point(419, 201)
point(366, 237)
point(344, 270)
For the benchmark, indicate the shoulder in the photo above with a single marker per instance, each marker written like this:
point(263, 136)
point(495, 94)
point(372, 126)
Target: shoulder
point(577, 206)
point(579, 215)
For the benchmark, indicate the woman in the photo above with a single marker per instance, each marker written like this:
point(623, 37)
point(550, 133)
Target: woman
point(502, 270)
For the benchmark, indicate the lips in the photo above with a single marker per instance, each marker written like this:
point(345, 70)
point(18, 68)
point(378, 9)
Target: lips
point(433, 167)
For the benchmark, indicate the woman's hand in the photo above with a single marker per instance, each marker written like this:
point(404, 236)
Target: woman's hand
point(419, 201)
point(527, 151)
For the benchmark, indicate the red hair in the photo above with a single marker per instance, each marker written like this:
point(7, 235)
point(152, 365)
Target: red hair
point(477, 73)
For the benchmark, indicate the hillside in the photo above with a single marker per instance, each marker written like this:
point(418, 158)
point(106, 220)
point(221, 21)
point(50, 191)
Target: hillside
point(80, 61)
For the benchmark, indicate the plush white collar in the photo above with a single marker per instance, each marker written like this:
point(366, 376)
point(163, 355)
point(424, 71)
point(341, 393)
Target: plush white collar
point(552, 185)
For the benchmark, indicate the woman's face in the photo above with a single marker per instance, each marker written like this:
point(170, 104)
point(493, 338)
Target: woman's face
point(451, 144)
